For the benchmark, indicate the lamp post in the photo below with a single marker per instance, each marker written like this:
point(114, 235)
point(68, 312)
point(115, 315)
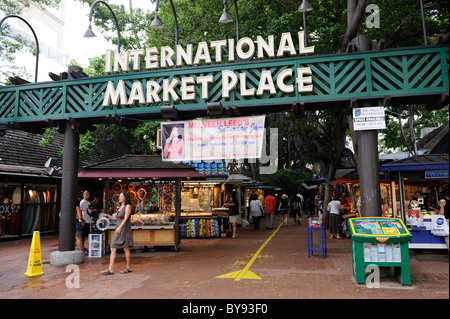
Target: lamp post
point(304, 8)
point(226, 18)
point(35, 38)
point(157, 24)
point(90, 34)
point(424, 26)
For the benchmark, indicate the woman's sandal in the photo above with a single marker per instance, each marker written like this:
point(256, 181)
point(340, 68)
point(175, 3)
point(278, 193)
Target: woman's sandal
point(125, 271)
point(107, 272)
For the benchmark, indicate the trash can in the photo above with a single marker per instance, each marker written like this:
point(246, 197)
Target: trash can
point(382, 242)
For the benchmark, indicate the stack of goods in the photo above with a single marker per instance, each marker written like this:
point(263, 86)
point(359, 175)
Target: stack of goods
point(314, 222)
point(148, 219)
point(200, 228)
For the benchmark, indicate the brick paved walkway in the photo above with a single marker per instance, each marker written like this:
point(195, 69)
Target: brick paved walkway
point(283, 265)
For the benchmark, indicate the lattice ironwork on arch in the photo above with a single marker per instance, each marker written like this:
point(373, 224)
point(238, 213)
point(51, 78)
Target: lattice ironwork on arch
point(399, 74)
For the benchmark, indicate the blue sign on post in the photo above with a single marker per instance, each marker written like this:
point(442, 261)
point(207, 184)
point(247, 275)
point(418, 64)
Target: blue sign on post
point(436, 174)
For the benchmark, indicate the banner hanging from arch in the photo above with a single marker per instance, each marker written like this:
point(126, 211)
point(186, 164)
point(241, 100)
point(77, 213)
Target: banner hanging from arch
point(212, 139)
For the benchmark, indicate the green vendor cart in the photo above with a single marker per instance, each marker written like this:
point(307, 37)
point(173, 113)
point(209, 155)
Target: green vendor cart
point(382, 242)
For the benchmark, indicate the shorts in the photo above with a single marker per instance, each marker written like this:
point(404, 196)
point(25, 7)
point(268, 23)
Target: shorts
point(78, 228)
point(86, 230)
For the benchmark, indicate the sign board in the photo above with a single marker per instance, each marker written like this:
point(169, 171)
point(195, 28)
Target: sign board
point(210, 139)
point(380, 242)
point(376, 226)
point(436, 174)
point(369, 118)
point(261, 85)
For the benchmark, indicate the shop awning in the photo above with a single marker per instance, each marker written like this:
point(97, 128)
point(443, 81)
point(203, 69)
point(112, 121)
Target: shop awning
point(140, 166)
point(429, 162)
point(141, 174)
point(264, 187)
point(238, 179)
point(347, 181)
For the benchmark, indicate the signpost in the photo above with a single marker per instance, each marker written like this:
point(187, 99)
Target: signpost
point(381, 242)
point(369, 118)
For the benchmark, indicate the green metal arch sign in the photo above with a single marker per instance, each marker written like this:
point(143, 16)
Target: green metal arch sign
point(401, 74)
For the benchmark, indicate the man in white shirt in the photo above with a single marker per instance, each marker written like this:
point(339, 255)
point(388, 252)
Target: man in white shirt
point(333, 207)
point(85, 207)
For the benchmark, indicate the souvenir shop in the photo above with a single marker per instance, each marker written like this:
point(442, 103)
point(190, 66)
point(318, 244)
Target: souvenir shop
point(28, 203)
point(160, 216)
point(418, 183)
point(25, 208)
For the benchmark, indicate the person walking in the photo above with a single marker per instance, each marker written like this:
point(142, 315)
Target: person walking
point(284, 208)
point(233, 213)
point(123, 237)
point(270, 202)
point(255, 210)
point(333, 207)
point(297, 207)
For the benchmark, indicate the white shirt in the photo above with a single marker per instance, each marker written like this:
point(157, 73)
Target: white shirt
point(255, 208)
point(333, 207)
point(84, 206)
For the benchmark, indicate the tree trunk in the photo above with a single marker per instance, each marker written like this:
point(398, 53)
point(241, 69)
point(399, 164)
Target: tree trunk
point(335, 158)
point(355, 14)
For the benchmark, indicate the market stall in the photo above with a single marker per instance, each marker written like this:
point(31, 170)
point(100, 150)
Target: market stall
point(420, 181)
point(202, 214)
point(155, 189)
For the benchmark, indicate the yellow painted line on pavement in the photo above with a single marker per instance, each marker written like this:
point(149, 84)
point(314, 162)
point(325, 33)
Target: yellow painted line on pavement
point(245, 273)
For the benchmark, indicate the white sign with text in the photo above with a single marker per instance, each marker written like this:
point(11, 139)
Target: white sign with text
point(369, 118)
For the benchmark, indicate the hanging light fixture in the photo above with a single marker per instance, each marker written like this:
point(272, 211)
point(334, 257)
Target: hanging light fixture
point(225, 18)
point(89, 33)
point(305, 7)
point(156, 23)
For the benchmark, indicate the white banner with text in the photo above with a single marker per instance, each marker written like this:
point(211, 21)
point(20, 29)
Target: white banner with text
point(213, 139)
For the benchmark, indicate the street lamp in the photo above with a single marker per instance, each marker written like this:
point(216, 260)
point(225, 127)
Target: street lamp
point(304, 8)
point(35, 38)
point(424, 25)
point(90, 34)
point(157, 24)
point(226, 18)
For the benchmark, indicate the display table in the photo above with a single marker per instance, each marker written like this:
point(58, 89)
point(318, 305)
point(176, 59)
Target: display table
point(163, 235)
point(424, 239)
point(204, 224)
point(382, 242)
